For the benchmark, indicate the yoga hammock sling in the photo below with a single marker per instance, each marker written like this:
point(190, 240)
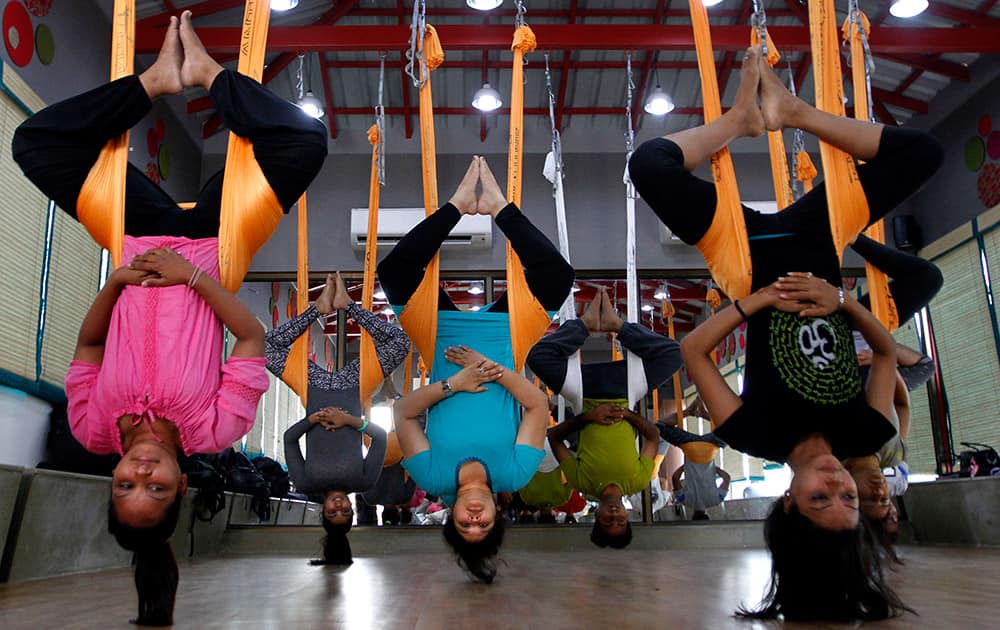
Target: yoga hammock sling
point(528, 319)
point(572, 390)
point(250, 209)
point(636, 375)
point(371, 375)
point(855, 31)
point(846, 201)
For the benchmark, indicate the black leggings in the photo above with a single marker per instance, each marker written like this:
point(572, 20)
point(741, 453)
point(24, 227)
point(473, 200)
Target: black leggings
point(57, 147)
point(798, 238)
point(549, 276)
point(913, 283)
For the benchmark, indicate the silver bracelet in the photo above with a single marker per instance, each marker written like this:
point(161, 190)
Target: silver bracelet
point(840, 298)
point(197, 274)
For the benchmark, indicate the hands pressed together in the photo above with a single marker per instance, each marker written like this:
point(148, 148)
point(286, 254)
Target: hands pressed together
point(477, 370)
point(606, 414)
point(333, 418)
point(805, 294)
point(158, 267)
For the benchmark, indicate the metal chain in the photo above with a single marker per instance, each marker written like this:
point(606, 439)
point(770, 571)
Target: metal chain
point(798, 144)
point(380, 122)
point(758, 20)
point(556, 139)
point(629, 132)
point(299, 79)
point(629, 89)
point(416, 64)
point(854, 11)
point(519, 20)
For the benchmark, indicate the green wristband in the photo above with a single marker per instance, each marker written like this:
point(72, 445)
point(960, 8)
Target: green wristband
point(364, 424)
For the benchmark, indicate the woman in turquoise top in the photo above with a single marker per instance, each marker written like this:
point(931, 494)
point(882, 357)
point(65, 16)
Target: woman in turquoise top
point(478, 441)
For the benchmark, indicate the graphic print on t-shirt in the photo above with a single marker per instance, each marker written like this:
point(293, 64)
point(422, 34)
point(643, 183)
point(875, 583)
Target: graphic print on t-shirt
point(814, 356)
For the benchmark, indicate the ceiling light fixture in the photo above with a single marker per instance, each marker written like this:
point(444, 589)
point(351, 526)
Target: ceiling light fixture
point(484, 5)
point(646, 308)
point(486, 99)
point(907, 8)
point(379, 295)
point(662, 293)
point(284, 5)
point(711, 3)
point(475, 290)
point(307, 100)
point(658, 102)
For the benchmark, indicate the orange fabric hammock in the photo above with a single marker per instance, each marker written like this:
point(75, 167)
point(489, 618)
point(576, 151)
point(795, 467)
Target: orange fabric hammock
point(419, 316)
point(250, 209)
point(775, 143)
point(725, 246)
point(528, 319)
point(882, 304)
point(296, 373)
point(371, 369)
point(845, 199)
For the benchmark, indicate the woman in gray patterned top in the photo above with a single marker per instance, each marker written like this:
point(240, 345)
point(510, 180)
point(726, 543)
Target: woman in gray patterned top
point(333, 426)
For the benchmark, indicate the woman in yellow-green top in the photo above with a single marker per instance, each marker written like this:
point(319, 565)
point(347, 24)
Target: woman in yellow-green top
point(607, 464)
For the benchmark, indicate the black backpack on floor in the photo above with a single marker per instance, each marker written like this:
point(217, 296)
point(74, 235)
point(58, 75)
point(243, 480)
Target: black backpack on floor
point(275, 476)
point(981, 460)
point(242, 477)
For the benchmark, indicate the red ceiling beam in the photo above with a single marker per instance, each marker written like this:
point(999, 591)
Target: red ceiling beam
point(729, 58)
point(647, 62)
point(198, 10)
point(501, 65)
point(883, 114)
point(892, 98)
point(505, 111)
point(282, 61)
point(929, 63)
point(560, 13)
point(576, 36)
point(407, 110)
point(564, 74)
point(962, 16)
point(331, 119)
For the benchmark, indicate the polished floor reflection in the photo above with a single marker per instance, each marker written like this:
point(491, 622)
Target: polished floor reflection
point(950, 588)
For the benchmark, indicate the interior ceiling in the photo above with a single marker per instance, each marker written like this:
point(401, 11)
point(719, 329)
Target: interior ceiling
point(586, 42)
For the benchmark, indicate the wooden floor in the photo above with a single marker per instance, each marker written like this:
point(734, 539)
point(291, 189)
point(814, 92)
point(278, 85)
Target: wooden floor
point(950, 588)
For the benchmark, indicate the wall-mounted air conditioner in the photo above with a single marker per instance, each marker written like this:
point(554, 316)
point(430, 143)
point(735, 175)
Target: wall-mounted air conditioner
point(474, 231)
point(764, 207)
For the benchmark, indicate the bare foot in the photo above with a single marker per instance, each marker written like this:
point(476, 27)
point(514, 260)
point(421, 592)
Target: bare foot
point(745, 105)
point(342, 298)
point(324, 303)
point(591, 317)
point(199, 68)
point(465, 195)
point(776, 103)
point(491, 200)
point(164, 76)
point(610, 320)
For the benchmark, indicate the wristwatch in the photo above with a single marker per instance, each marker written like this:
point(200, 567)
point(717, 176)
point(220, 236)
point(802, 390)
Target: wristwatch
point(446, 388)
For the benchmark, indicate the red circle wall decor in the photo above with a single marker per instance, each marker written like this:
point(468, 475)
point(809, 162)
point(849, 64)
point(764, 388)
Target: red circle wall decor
point(18, 34)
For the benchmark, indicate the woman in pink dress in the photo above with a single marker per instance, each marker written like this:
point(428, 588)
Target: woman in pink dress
point(147, 379)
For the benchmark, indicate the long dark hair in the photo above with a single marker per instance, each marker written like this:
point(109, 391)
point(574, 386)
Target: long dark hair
point(602, 539)
point(156, 574)
point(336, 547)
point(478, 558)
point(821, 574)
